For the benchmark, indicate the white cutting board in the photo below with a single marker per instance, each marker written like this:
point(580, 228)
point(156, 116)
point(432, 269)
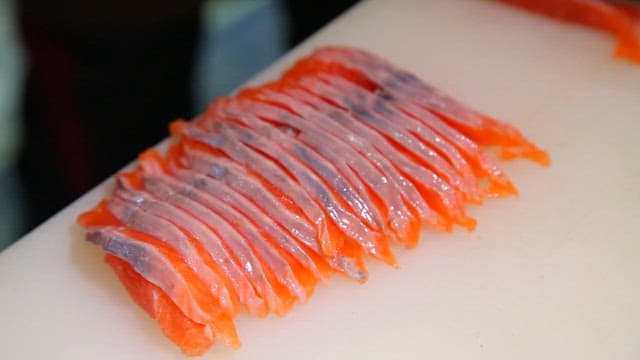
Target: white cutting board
point(553, 274)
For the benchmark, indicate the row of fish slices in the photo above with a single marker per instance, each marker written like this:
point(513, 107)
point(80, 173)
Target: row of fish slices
point(160, 272)
point(143, 202)
point(218, 141)
point(251, 207)
point(150, 215)
point(436, 191)
point(248, 138)
point(241, 134)
point(266, 147)
point(152, 211)
point(251, 249)
point(376, 74)
point(314, 176)
point(204, 159)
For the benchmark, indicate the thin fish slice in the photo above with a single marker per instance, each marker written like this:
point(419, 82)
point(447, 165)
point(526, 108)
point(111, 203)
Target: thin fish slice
point(286, 190)
point(325, 117)
point(163, 266)
point(234, 237)
point(288, 276)
point(344, 221)
point(199, 157)
point(484, 168)
point(156, 268)
point(438, 193)
point(349, 263)
point(372, 72)
point(130, 214)
point(222, 259)
point(355, 167)
point(407, 143)
point(409, 172)
point(619, 18)
point(412, 130)
point(188, 211)
point(229, 182)
point(236, 208)
point(282, 146)
point(135, 215)
point(483, 129)
point(370, 240)
point(351, 191)
point(192, 338)
point(183, 226)
point(499, 184)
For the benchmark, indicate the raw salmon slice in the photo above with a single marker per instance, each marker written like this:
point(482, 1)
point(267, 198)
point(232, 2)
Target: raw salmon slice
point(160, 265)
point(213, 245)
point(192, 337)
point(439, 193)
point(284, 188)
point(231, 138)
point(200, 160)
point(132, 216)
point(265, 245)
point(360, 138)
point(431, 150)
point(620, 19)
point(142, 214)
point(153, 265)
point(379, 148)
point(484, 169)
point(357, 227)
point(165, 205)
point(352, 192)
point(240, 211)
point(373, 73)
point(227, 181)
point(355, 167)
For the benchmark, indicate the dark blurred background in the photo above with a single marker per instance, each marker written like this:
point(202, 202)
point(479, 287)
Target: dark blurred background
point(86, 85)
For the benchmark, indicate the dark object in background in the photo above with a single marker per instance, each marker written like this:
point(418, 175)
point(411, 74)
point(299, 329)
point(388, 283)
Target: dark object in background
point(104, 79)
point(306, 17)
